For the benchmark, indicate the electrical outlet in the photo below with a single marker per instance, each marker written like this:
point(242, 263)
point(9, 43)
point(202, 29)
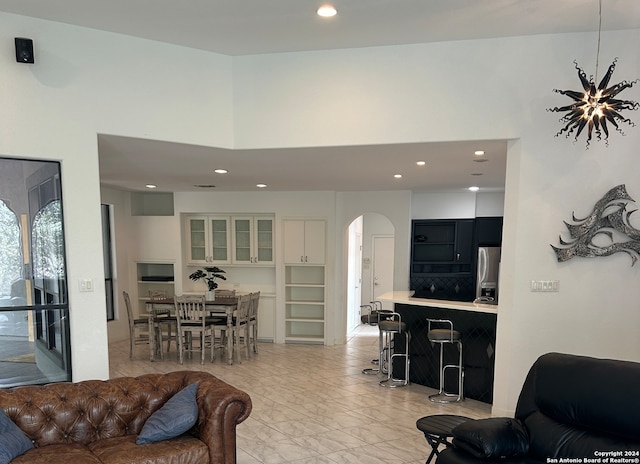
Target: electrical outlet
point(545, 285)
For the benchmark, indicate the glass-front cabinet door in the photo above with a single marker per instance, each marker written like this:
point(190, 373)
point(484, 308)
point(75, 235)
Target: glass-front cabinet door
point(207, 240)
point(264, 240)
point(219, 240)
point(197, 240)
point(253, 240)
point(242, 250)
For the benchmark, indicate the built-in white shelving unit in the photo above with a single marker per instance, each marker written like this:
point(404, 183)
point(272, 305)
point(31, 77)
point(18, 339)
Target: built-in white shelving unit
point(304, 303)
point(153, 276)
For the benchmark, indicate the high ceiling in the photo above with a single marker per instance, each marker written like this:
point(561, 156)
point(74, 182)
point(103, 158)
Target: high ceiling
point(245, 27)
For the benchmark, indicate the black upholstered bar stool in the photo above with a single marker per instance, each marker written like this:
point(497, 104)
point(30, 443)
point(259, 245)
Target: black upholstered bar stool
point(390, 328)
point(370, 317)
point(441, 331)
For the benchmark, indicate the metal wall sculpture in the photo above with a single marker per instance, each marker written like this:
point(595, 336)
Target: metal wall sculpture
point(609, 218)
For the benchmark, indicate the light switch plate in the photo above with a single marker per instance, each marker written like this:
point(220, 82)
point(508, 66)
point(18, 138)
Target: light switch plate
point(86, 285)
point(545, 285)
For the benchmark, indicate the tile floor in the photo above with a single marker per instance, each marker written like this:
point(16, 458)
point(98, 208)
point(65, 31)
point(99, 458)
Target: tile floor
point(312, 404)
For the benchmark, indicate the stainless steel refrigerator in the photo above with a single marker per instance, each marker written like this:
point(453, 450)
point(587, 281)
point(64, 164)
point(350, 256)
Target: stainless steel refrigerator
point(487, 275)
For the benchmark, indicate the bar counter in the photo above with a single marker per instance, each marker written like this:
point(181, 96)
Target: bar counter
point(476, 322)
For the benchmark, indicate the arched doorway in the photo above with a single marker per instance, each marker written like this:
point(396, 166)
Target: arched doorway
point(370, 258)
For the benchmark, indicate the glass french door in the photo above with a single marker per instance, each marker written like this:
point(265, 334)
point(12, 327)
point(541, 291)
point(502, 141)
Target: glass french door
point(34, 308)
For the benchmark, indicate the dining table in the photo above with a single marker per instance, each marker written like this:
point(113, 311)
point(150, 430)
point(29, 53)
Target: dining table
point(166, 306)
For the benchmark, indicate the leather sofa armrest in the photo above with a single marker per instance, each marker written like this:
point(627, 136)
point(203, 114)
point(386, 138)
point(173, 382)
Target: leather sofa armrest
point(221, 407)
point(495, 437)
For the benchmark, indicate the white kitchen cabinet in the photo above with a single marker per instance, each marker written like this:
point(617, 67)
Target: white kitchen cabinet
point(252, 240)
point(207, 240)
point(304, 241)
point(267, 318)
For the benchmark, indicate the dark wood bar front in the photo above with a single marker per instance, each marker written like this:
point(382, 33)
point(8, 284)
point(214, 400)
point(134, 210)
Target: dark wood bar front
point(476, 322)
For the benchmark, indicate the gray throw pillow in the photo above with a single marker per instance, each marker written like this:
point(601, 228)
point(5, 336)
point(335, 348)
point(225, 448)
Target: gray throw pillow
point(177, 416)
point(13, 441)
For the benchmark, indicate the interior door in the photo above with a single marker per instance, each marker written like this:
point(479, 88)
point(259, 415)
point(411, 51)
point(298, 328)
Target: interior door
point(355, 280)
point(383, 255)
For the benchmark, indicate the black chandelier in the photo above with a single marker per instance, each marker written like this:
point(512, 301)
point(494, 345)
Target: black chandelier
point(595, 107)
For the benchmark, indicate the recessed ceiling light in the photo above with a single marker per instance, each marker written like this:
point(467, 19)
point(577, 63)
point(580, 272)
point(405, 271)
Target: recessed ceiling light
point(421, 163)
point(221, 171)
point(327, 11)
point(261, 186)
point(480, 160)
point(474, 189)
point(476, 173)
point(204, 186)
point(397, 176)
point(151, 186)
point(478, 153)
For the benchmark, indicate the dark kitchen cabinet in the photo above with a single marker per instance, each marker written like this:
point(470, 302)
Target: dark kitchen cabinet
point(489, 231)
point(442, 246)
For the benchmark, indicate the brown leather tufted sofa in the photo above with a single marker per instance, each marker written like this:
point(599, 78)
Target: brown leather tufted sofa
point(93, 421)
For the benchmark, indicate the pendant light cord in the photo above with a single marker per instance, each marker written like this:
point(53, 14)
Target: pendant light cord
point(598, 52)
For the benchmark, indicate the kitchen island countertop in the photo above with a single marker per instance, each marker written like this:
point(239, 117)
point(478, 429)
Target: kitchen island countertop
point(405, 297)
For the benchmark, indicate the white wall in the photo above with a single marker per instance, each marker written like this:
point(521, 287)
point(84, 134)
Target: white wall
point(456, 205)
point(443, 205)
point(489, 204)
point(86, 82)
point(118, 329)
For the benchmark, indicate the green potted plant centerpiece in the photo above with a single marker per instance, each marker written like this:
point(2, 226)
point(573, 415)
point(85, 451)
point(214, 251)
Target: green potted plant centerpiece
point(209, 274)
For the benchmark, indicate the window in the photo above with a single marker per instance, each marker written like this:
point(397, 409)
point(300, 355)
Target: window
point(107, 250)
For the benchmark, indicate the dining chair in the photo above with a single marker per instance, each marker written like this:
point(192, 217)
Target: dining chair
point(241, 325)
point(191, 317)
point(165, 323)
point(253, 321)
point(138, 328)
